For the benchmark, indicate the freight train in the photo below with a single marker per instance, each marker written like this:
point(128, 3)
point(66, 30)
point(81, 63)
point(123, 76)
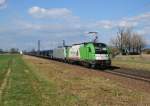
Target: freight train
point(89, 54)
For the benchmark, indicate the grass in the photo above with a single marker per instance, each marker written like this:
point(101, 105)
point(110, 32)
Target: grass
point(133, 62)
point(37, 82)
point(19, 90)
point(4, 61)
point(24, 88)
point(86, 87)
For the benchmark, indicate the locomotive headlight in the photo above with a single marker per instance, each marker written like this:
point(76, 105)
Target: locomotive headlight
point(104, 49)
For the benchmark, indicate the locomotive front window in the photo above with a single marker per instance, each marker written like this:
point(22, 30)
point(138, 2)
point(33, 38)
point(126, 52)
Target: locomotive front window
point(100, 48)
point(101, 45)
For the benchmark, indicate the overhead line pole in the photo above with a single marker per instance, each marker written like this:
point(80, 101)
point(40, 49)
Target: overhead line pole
point(39, 44)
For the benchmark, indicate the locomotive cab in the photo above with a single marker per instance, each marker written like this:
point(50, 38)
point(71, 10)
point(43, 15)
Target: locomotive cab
point(95, 54)
point(102, 55)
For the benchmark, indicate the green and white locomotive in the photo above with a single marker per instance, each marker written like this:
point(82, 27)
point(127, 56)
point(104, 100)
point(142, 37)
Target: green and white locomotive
point(89, 53)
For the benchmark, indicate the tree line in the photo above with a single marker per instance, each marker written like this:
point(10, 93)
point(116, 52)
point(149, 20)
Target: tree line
point(128, 42)
point(12, 51)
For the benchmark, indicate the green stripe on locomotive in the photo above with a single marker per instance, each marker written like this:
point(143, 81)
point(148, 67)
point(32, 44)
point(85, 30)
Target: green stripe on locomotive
point(87, 52)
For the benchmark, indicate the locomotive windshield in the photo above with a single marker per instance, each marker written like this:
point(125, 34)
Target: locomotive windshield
point(100, 45)
point(100, 48)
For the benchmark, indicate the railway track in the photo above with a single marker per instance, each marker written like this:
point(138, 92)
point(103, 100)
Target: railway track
point(139, 75)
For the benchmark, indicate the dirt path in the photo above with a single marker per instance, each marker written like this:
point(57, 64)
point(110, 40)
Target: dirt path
point(4, 83)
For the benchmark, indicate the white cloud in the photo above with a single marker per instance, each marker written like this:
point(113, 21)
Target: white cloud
point(148, 41)
point(106, 24)
point(144, 31)
point(110, 24)
point(3, 4)
point(141, 17)
point(52, 13)
point(125, 23)
point(135, 21)
point(48, 27)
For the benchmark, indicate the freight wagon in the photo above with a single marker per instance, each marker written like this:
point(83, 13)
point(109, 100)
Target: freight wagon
point(46, 53)
point(59, 53)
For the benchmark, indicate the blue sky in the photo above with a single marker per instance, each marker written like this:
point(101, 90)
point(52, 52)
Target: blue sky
point(23, 22)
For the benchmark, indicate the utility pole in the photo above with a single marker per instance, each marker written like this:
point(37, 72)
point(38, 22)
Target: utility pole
point(39, 44)
point(64, 44)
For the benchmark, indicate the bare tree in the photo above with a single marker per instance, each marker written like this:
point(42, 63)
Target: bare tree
point(127, 41)
point(122, 40)
point(138, 43)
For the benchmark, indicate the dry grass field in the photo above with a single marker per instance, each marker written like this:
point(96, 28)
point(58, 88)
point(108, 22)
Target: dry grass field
point(84, 86)
point(31, 81)
point(138, 62)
